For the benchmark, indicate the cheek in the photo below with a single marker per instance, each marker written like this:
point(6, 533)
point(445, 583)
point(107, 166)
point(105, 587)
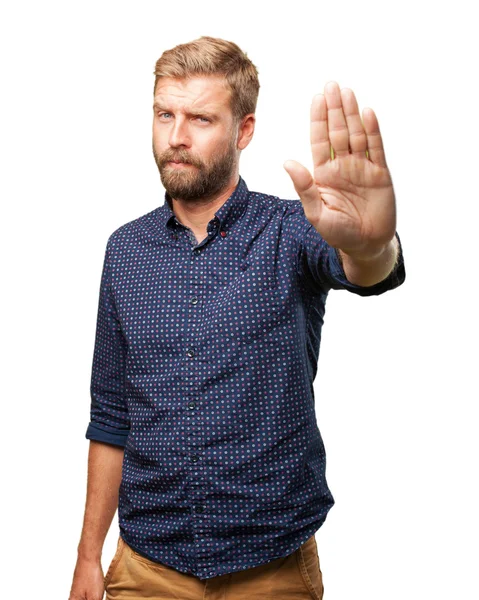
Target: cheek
point(158, 135)
point(214, 147)
point(161, 132)
point(160, 142)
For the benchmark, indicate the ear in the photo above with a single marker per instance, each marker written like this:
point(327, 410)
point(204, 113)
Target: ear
point(245, 131)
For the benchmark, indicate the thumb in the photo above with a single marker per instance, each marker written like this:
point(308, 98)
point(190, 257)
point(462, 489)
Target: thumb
point(303, 183)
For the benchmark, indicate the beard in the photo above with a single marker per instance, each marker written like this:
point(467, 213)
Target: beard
point(200, 181)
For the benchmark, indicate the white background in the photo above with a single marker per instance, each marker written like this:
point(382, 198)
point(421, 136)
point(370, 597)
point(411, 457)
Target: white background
point(396, 392)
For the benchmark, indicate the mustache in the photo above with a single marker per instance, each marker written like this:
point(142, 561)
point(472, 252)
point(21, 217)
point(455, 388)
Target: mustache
point(178, 157)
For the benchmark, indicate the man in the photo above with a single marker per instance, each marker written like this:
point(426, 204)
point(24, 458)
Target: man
point(203, 429)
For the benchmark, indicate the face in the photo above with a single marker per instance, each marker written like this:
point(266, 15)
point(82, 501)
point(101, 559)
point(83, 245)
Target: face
point(195, 140)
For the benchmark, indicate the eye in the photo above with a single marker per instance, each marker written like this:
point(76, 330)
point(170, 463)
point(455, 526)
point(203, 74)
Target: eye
point(161, 114)
point(204, 119)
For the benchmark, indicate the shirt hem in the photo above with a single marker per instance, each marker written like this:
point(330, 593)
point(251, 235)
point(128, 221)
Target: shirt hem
point(252, 562)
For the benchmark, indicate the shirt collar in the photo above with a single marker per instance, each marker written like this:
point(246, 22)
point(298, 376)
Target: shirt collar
point(228, 213)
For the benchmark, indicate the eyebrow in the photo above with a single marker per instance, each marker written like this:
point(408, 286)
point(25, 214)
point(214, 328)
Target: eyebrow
point(190, 113)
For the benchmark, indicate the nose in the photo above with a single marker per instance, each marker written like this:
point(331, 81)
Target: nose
point(179, 135)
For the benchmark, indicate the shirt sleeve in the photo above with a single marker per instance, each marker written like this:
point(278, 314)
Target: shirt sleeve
point(320, 265)
point(109, 421)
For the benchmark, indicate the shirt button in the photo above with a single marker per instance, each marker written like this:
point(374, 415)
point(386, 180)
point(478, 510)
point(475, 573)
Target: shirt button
point(191, 405)
point(199, 508)
point(194, 458)
point(190, 352)
point(223, 233)
point(194, 300)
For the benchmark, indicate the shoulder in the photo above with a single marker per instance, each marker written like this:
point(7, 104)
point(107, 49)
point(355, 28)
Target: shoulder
point(126, 234)
point(287, 213)
point(294, 220)
point(291, 209)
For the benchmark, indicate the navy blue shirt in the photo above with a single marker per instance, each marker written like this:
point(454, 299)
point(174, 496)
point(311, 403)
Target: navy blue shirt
point(203, 368)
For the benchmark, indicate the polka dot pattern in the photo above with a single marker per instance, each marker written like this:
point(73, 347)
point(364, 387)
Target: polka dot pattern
point(203, 368)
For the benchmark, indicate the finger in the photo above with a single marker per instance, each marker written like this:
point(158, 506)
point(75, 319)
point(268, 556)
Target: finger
point(375, 142)
point(320, 146)
point(304, 185)
point(337, 127)
point(357, 136)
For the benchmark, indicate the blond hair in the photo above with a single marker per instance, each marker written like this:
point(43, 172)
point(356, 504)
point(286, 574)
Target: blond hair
point(214, 56)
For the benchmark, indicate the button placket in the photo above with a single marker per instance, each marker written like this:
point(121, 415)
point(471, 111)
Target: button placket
point(192, 366)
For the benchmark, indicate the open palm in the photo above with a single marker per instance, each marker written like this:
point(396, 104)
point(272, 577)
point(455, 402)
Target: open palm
point(350, 198)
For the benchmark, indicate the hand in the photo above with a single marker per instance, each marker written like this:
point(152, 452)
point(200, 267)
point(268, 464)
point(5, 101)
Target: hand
point(350, 200)
point(88, 581)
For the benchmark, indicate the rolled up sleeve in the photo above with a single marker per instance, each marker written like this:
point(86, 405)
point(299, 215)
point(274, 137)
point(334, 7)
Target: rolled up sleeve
point(320, 266)
point(109, 421)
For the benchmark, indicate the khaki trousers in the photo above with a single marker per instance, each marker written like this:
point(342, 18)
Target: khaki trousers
point(294, 577)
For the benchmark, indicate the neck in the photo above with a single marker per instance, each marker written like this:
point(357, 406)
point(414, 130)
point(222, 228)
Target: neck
point(196, 215)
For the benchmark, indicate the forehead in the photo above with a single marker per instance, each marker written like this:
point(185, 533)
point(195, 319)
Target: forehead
point(201, 92)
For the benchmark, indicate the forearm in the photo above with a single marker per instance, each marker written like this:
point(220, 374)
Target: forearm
point(104, 478)
point(366, 271)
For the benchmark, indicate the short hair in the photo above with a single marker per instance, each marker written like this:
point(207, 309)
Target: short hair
point(214, 56)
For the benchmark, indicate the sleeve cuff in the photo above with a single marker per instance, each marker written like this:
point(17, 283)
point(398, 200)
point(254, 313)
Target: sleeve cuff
point(109, 435)
point(393, 280)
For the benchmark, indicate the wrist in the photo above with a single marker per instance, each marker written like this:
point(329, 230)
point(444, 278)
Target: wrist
point(369, 268)
point(90, 555)
point(371, 254)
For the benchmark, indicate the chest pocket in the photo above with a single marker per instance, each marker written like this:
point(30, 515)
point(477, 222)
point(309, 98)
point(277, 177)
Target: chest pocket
point(248, 308)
